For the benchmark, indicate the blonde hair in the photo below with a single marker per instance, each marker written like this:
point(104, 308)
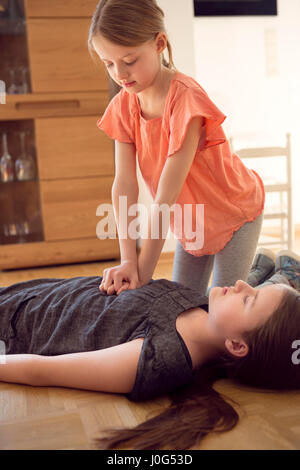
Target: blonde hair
point(129, 23)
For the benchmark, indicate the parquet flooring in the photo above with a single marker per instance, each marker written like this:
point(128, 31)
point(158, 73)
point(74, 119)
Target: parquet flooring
point(57, 418)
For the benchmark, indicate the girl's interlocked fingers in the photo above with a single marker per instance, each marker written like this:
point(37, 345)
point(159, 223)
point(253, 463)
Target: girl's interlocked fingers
point(119, 278)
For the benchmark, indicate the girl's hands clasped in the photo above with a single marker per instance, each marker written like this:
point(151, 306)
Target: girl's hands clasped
point(119, 278)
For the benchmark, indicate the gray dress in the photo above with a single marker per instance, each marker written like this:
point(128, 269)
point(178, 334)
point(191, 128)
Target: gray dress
point(60, 316)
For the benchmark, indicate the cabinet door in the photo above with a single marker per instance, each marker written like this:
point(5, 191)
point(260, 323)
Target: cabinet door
point(59, 57)
point(69, 206)
point(73, 147)
point(60, 8)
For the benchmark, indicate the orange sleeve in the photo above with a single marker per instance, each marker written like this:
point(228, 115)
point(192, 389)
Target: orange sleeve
point(190, 103)
point(116, 122)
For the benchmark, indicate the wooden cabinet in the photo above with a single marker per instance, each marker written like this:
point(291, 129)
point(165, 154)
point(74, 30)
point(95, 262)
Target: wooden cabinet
point(69, 206)
point(59, 8)
point(72, 146)
point(66, 93)
point(59, 61)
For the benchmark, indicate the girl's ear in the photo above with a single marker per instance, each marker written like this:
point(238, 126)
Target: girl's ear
point(237, 347)
point(161, 42)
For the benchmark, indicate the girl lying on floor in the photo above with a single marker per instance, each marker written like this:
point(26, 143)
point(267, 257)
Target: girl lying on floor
point(160, 338)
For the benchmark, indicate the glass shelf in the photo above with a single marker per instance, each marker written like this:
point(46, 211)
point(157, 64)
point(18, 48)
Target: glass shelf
point(20, 215)
point(20, 220)
point(14, 62)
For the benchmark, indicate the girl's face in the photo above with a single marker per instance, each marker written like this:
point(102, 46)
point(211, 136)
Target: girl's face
point(131, 64)
point(241, 308)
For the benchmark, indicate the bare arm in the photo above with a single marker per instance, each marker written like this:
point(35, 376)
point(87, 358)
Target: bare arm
point(125, 184)
point(107, 370)
point(171, 182)
point(17, 368)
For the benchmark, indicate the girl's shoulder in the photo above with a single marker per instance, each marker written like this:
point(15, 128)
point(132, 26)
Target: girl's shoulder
point(183, 82)
point(185, 92)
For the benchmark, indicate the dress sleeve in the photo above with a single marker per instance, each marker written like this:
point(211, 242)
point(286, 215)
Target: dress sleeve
point(189, 103)
point(161, 368)
point(116, 122)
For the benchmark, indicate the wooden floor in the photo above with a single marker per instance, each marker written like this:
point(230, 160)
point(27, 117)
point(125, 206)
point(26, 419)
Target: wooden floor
point(57, 418)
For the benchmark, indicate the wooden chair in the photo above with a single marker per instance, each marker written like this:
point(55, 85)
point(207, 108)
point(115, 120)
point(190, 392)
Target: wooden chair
point(284, 210)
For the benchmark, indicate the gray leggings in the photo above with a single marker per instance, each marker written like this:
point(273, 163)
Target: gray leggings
point(233, 262)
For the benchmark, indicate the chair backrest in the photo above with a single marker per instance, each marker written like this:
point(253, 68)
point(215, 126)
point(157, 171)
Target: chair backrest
point(257, 152)
point(273, 151)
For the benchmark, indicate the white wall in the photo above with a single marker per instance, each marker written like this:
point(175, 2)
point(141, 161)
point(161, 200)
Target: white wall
point(250, 67)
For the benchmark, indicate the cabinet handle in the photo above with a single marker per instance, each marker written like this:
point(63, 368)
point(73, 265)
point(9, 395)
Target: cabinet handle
point(51, 105)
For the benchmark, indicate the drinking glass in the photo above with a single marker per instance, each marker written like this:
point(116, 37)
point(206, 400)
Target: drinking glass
point(13, 88)
point(24, 88)
point(25, 164)
point(6, 162)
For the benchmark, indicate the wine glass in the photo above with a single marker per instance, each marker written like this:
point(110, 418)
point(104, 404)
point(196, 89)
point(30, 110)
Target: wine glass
point(6, 162)
point(20, 80)
point(22, 229)
point(13, 88)
point(25, 165)
point(24, 86)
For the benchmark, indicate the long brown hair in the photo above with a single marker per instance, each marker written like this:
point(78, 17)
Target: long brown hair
point(197, 409)
point(129, 23)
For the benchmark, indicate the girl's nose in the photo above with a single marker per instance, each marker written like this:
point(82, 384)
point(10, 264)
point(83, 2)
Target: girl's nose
point(121, 73)
point(242, 285)
point(121, 77)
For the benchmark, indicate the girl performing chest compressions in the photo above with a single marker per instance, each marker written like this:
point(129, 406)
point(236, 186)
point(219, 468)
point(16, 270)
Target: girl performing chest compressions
point(208, 198)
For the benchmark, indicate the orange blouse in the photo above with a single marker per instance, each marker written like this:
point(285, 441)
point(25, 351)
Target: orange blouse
point(231, 193)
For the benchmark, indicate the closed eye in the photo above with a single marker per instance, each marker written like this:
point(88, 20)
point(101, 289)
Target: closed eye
point(131, 63)
point(254, 299)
